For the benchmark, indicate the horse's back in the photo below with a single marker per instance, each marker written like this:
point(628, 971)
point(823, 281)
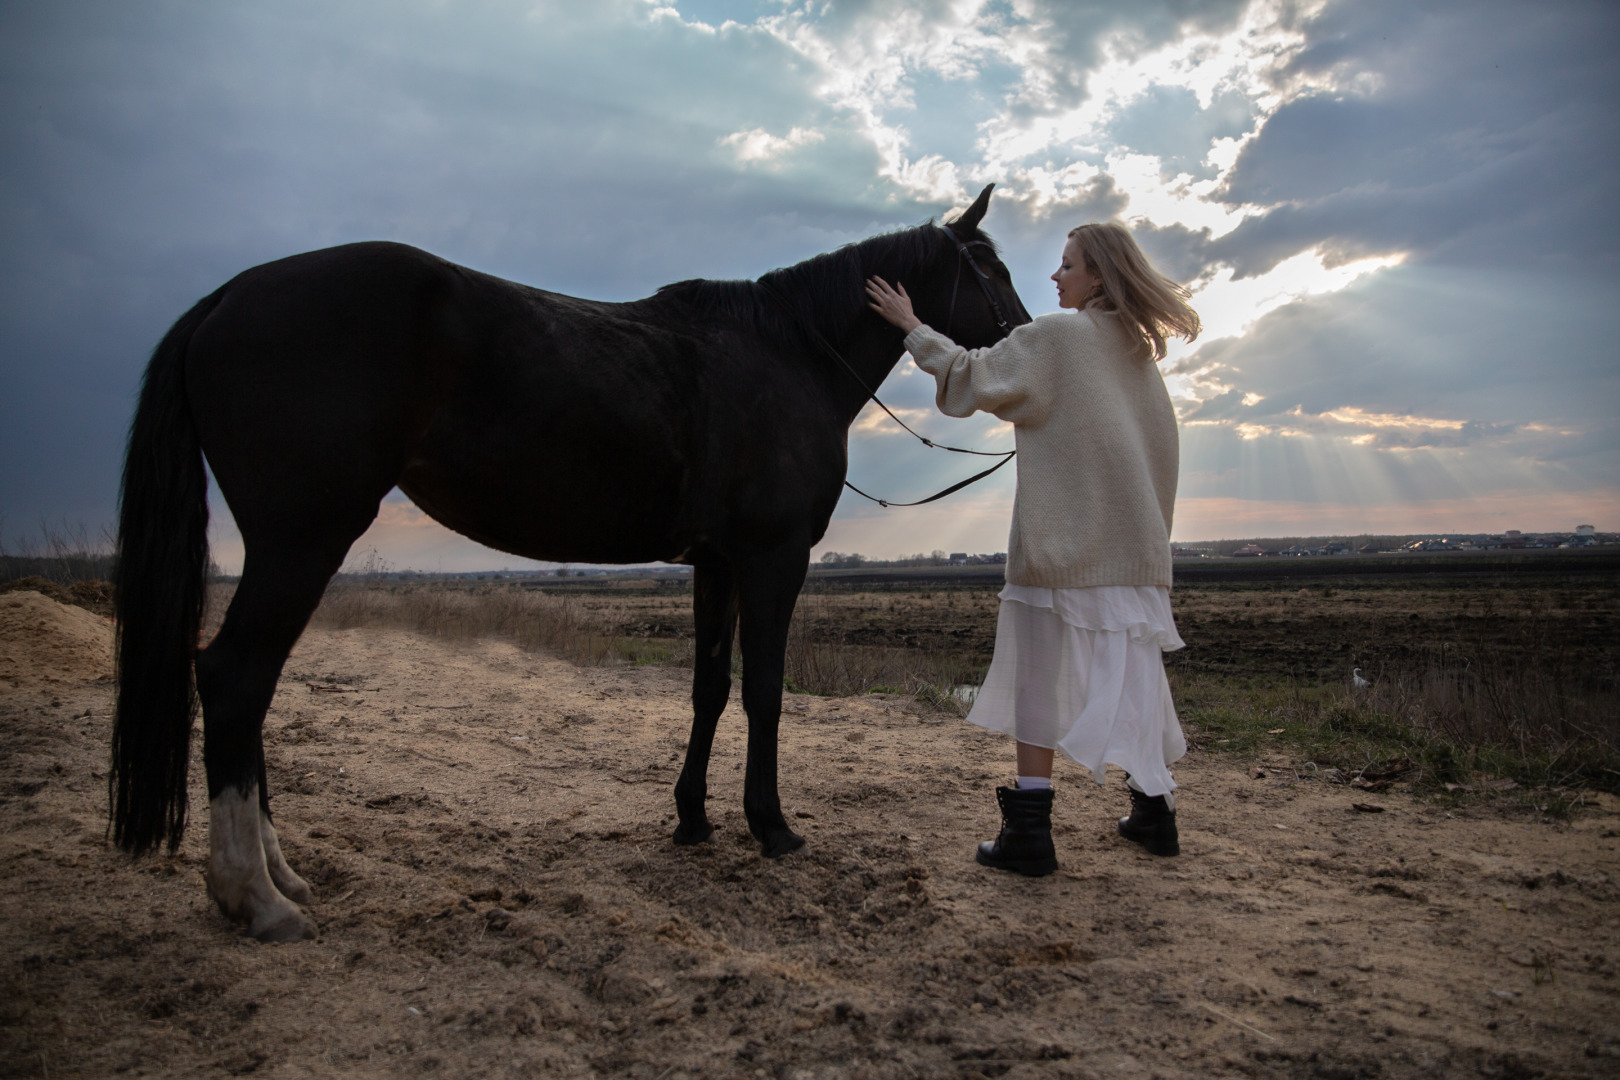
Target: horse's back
point(323, 379)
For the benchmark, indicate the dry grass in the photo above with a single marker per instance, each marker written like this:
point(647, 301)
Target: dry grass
point(1504, 712)
point(1483, 716)
point(841, 670)
point(593, 631)
point(532, 620)
point(1502, 698)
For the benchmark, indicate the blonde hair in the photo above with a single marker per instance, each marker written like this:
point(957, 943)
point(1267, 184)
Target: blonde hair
point(1152, 305)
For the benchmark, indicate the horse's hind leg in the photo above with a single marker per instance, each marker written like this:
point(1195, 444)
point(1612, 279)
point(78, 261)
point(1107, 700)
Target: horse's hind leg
point(714, 610)
point(236, 678)
point(282, 876)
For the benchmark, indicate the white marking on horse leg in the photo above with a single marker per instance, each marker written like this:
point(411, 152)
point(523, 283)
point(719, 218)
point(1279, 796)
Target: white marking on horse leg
point(287, 882)
point(238, 878)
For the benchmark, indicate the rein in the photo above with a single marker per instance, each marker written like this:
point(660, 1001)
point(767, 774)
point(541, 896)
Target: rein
point(826, 347)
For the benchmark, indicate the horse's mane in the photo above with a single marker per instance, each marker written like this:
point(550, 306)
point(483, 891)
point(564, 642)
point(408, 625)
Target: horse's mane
point(827, 291)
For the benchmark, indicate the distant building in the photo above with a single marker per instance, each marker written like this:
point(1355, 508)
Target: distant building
point(958, 558)
point(1514, 534)
point(1248, 551)
point(1586, 530)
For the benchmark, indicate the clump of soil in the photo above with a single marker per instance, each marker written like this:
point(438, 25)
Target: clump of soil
point(44, 643)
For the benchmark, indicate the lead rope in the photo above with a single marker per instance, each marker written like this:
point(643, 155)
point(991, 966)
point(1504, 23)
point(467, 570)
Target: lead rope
point(826, 347)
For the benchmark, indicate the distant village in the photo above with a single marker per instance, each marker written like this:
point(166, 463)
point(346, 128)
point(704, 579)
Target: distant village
point(1584, 536)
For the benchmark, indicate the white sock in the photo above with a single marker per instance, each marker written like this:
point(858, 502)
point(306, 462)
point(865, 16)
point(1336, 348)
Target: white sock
point(1034, 783)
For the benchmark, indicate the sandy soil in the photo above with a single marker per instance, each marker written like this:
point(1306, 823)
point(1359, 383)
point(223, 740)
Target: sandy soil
point(44, 644)
point(488, 835)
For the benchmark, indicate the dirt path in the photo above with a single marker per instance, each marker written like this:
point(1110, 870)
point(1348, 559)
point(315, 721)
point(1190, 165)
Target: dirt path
point(488, 834)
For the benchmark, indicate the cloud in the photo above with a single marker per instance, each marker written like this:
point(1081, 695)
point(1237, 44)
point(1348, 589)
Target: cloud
point(1409, 387)
point(1453, 132)
point(759, 145)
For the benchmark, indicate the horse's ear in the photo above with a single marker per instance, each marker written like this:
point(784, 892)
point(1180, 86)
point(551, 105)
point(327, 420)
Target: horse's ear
point(974, 214)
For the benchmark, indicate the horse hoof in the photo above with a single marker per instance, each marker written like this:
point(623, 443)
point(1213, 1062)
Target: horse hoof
point(293, 927)
point(690, 836)
point(297, 890)
point(781, 843)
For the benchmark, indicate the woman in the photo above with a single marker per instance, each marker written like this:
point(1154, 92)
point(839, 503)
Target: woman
point(1085, 614)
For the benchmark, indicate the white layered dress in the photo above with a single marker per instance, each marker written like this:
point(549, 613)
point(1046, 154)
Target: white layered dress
point(1086, 616)
point(1082, 671)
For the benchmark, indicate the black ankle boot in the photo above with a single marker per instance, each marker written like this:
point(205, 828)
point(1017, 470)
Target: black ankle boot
point(1025, 843)
point(1152, 824)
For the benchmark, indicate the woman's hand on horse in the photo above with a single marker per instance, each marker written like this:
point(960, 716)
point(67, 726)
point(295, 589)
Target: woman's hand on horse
point(893, 306)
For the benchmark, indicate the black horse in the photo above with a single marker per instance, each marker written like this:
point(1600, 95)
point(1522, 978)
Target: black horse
point(706, 424)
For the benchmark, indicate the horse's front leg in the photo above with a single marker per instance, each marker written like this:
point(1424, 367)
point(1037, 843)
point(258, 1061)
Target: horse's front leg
point(714, 610)
point(768, 593)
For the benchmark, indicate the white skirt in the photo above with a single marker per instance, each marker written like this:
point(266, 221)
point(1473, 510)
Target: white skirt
point(1082, 671)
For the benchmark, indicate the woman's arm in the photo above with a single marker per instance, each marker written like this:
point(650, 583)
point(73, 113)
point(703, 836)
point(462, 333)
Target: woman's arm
point(998, 380)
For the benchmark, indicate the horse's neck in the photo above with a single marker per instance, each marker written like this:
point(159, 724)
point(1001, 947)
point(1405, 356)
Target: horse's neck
point(872, 348)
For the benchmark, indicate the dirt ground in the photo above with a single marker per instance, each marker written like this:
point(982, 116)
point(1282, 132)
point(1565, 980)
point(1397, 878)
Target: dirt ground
point(487, 832)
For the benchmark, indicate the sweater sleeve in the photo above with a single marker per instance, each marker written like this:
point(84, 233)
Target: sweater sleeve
point(1004, 379)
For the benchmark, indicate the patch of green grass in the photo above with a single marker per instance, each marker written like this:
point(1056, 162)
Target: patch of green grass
point(645, 651)
point(1251, 717)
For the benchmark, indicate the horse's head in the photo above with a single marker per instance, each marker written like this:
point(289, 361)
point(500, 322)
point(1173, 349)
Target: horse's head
point(966, 292)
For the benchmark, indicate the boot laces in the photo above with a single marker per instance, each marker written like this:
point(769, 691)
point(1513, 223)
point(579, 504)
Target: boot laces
point(1143, 803)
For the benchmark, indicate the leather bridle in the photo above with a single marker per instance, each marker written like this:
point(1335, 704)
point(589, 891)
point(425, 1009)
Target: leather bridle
point(982, 278)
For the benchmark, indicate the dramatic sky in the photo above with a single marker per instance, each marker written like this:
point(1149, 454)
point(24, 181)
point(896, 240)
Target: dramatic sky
point(1397, 217)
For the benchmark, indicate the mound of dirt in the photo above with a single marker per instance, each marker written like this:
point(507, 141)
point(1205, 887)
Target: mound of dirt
point(91, 594)
point(44, 643)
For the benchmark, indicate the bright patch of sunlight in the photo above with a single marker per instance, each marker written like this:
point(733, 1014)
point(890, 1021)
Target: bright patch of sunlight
point(1228, 307)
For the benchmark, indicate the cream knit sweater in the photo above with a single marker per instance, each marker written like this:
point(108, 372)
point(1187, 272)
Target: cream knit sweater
point(1098, 451)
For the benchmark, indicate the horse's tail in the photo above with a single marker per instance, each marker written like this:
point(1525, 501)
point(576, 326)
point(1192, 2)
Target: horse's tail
point(160, 589)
